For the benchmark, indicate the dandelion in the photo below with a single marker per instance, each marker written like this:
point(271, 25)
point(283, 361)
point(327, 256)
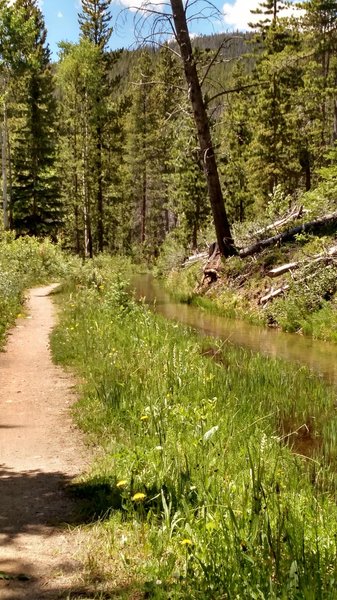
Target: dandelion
point(122, 483)
point(138, 497)
point(186, 542)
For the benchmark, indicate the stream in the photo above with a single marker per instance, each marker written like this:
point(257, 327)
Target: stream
point(320, 357)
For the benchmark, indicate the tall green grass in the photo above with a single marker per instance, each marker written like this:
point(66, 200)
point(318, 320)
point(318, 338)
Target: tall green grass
point(24, 262)
point(225, 459)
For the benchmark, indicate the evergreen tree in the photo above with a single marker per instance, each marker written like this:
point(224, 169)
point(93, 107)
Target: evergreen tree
point(16, 37)
point(139, 127)
point(188, 190)
point(319, 25)
point(95, 22)
point(165, 97)
point(35, 203)
point(79, 78)
point(235, 136)
point(274, 151)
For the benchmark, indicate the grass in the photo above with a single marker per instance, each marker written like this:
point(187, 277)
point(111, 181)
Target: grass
point(216, 467)
point(24, 262)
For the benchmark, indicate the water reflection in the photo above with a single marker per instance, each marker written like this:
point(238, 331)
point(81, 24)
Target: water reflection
point(319, 356)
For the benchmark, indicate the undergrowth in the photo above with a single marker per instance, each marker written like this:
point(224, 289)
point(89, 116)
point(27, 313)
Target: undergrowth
point(24, 262)
point(308, 306)
point(219, 463)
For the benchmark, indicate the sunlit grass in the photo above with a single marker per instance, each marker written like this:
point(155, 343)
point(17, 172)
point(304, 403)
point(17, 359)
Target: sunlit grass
point(222, 460)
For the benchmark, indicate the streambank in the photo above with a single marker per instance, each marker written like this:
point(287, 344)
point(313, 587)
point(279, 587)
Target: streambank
point(290, 288)
point(317, 355)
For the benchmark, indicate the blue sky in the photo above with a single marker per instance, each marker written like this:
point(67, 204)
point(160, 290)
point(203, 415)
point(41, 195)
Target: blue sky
point(61, 19)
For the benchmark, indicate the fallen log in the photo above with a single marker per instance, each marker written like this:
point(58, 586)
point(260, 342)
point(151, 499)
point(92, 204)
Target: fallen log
point(283, 269)
point(286, 236)
point(327, 256)
point(274, 293)
point(296, 213)
point(194, 258)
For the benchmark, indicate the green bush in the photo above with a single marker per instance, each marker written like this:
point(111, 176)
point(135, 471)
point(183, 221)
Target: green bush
point(24, 262)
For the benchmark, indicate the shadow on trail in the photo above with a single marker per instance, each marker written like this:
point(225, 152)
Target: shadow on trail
point(23, 587)
point(31, 591)
point(31, 501)
point(40, 503)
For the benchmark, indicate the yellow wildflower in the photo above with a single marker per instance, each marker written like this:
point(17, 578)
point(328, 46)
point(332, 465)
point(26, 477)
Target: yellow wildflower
point(138, 497)
point(186, 542)
point(121, 483)
point(144, 418)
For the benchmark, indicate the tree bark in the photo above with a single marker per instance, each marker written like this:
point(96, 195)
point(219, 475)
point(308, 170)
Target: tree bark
point(10, 181)
point(4, 169)
point(222, 228)
point(100, 205)
point(88, 247)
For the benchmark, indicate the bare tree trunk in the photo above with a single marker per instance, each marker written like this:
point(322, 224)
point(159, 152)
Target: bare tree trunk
point(100, 204)
point(85, 210)
point(222, 228)
point(4, 169)
point(88, 251)
point(10, 182)
point(143, 211)
point(143, 207)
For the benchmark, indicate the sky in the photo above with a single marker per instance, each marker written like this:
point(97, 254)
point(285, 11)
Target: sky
point(61, 20)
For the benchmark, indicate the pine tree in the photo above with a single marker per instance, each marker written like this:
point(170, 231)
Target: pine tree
point(320, 38)
point(16, 36)
point(79, 76)
point(274, 151)
point(95, 22)
point(235, 135)
point(188, 190)
point(164, 98)
point(36, 202)
point(139, 127)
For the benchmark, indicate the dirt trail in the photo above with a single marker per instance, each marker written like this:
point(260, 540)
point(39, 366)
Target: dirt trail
point(40, 451)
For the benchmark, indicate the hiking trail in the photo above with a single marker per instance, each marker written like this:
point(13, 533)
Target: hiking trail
point(40, 452)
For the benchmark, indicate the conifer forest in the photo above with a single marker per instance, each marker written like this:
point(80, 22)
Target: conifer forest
point(101, 149)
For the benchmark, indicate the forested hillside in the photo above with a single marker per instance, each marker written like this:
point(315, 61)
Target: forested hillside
point(100, 150)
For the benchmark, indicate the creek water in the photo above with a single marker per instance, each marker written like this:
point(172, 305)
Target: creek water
point(320, 357)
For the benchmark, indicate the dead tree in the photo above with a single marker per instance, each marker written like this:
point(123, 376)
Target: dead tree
point(163, 22)
point(222, 228)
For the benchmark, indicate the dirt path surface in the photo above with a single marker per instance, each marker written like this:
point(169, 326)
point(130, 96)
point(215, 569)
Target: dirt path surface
point(40, 451)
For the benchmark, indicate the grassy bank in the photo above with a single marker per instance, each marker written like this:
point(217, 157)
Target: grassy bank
point(24, 262)
point(215, 468)
point(308, 306)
